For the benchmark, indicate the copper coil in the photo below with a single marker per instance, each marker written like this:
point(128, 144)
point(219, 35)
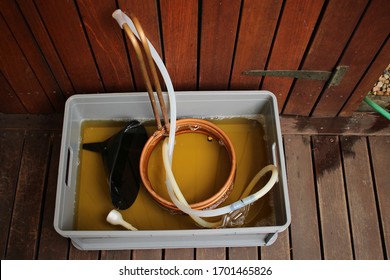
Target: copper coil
point(183, 126)
point(190, 126)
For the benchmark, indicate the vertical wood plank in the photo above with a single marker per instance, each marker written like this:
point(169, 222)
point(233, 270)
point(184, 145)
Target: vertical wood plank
point(26, 85)
point(115, 255)
point(25, 223)
point(330, 39)
point(179, 254)
point(256, 31)
point(76, 254)
point(66, 31)
point(296, 25)
point(380, 147)
point(218, 33)
point(364, 45)
point(52, 246)
point(280, 250)
point(107, 43)
point(361, 199)
point(305, 239)
point(150, 254)
point(367, 82)
point(30, 49)
point(243, 253)
point(211, 253)
point(180, 36)
point(11, 146)
point(45, 43)
point(331, 198)
point(146, 12)
point(10, 103)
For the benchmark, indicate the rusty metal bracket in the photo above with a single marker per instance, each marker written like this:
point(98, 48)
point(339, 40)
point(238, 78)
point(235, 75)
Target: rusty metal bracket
point(334, 78)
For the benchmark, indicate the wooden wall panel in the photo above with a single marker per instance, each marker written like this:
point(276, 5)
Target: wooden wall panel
point(108, 44)
point(325, 50)
point(365, 43)
point(30, 49)
point(218, 34)
point(146, 12)
point(51, 50)
point(35, 23)
point(19, 74)
point(256, 31)
point(297, 23)
point(367, 82)
point(180, 36)
point(66, 30)
point(10, 102)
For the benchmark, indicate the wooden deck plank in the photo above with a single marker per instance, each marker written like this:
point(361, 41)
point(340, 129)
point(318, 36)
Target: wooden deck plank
point(76, 254)
point(52, 245)
point(360, 190)
point(305, 237)
point(211, 253)
point(331, 198)
point(25, 224)
point(149, 254)
point(361, 124)
point(380, 147)
point(115, 255)
point(280, 250)
point(11, 149)
point(243, 253)
point(362, 237)
point(179, 254)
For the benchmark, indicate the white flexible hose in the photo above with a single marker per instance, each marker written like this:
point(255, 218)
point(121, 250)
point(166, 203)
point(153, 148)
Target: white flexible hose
point(179, 200)
point(122, 18)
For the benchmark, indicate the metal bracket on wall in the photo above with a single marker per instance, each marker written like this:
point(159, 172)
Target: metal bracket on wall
point(334, 78)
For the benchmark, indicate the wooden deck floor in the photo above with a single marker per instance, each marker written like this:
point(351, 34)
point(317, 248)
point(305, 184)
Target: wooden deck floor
point(339, 188)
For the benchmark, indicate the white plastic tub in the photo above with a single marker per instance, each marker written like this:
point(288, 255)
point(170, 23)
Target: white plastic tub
point(124, 106)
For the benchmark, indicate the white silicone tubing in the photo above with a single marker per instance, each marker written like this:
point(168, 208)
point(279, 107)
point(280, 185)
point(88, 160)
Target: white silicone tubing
point(122, 18)
point(182, 204)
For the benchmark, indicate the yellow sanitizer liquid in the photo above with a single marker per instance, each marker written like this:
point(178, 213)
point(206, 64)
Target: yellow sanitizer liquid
point(200, 164)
